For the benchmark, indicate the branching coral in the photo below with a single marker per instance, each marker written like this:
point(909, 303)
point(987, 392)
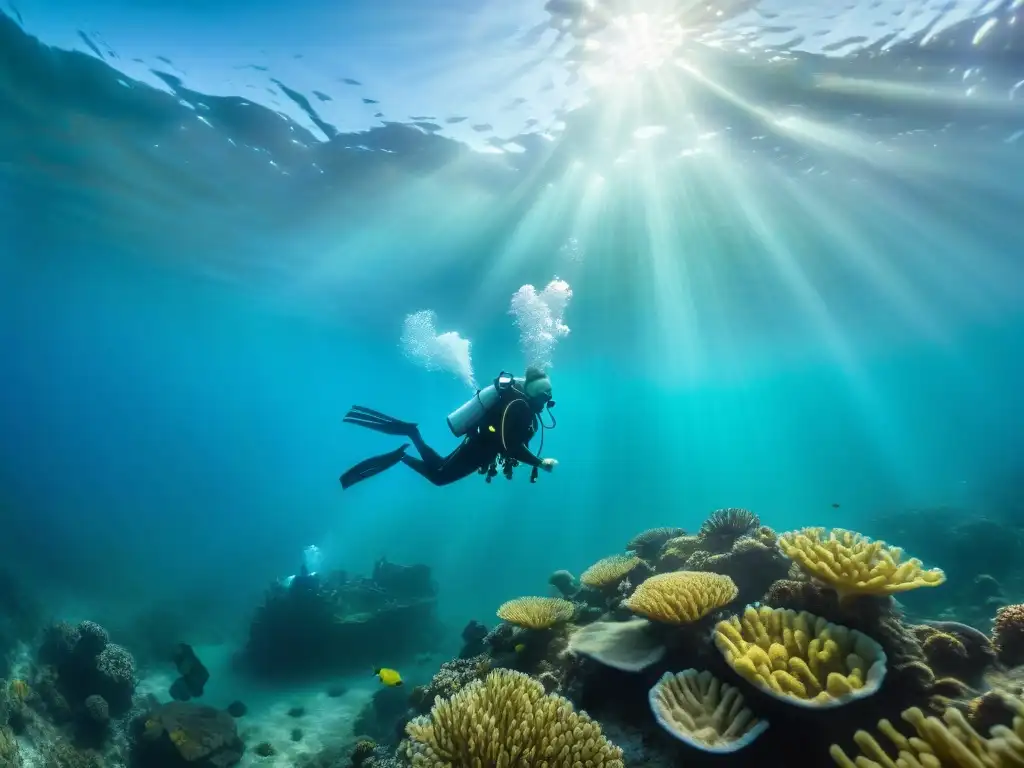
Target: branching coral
point(506, 720)
point(947, 743)
point(682, 597)
point(536, 612)
point(609, 571)
point(801, 658)
point(853, 564)
point(648, 543)
point(1008, 635)
point(699, 709)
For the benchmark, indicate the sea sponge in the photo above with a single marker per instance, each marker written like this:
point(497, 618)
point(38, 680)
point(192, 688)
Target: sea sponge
point(648, 543)
point(947, 743)
point(724, 526)
point(507, 719)
point(536, 612)
point(699, 709)
point(853, 564)
point(682, 597)
point(609, 571)
point(801, 658)
point(1008, 635)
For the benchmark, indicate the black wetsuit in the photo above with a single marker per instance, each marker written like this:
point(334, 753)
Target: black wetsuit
point(506, 431)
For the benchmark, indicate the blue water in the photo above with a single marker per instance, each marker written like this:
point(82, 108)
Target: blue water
point(808, 314)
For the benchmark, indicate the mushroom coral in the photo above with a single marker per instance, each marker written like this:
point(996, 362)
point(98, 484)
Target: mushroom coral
point(536, 612)
point(682, 597)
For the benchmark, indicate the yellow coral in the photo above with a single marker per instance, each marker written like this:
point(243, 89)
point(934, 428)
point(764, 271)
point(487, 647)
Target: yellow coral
point(507, 720)
point(609, 571)
point(949, 742)
point(700, 710)
point(801, 658)
point(19, 689)
point(853, 564)
point(682, 597)
point(536, 612)
point(179, 737)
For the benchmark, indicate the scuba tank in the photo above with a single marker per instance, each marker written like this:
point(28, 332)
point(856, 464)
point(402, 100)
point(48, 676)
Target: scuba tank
point(468, 416)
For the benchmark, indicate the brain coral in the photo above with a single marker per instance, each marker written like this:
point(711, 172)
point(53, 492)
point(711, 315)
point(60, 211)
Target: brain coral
point(700, 710)
point(536, 612)
point(609, 571)
point(947, 743)
point(801, 658)
point(682, 597)
point(508, 720)
point(1008, 635)
point(853, 564)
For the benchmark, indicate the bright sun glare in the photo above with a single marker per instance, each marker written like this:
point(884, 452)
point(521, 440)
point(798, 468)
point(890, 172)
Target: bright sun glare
point(631, 45)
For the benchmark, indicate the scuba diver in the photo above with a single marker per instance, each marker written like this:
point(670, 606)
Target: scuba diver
point(496, 425)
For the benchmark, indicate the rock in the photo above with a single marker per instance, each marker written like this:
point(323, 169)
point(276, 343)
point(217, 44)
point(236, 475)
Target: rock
point(181, 734)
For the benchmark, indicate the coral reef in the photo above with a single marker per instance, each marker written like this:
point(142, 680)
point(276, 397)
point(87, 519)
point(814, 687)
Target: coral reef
point(325, 624)
point(78, 662)
point(698, 709)
point(826, 655)
point(504, 719)
point(647, 544)
point(853, 564)
point(627, 645)
point(950, 742)
point(608, 572)
point(1008, 635)
point(801, 658)
point(682, 597)
point(536, 612)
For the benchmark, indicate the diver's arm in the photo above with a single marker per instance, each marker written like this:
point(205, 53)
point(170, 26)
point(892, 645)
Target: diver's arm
point(524, 455)
point(517, 434)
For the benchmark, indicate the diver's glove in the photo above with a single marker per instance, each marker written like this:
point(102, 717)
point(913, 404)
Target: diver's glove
point(548, 464)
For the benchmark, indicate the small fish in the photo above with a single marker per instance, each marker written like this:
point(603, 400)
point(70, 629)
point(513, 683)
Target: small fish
point(388, 677)
point(835, 505)
point(520, 647)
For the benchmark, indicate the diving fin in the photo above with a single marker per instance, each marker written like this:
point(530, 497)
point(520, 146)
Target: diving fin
point(378, 422)
point(372, 466)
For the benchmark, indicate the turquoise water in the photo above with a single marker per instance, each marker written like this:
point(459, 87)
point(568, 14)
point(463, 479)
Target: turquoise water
point(818, 317)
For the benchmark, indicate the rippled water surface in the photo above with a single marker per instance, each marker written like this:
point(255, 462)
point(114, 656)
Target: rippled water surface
point(727, 187)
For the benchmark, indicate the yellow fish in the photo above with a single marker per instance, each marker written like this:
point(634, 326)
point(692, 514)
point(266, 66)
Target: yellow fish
point(388, 677)
point(520, 647)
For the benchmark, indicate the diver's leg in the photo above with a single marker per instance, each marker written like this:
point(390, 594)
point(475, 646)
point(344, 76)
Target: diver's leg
point(430, 456)
point(460, 463)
